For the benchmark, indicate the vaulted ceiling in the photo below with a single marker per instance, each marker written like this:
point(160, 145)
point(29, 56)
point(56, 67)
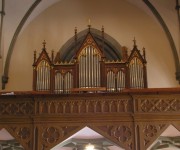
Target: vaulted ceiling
point(17, 15)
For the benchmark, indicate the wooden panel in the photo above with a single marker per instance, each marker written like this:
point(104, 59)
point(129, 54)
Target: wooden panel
point(132, 119)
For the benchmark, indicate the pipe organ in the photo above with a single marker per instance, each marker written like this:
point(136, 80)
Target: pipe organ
point(89, 69)
point(43, 76)
point(136, 73)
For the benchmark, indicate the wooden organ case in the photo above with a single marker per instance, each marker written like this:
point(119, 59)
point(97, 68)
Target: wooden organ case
point(89, 69)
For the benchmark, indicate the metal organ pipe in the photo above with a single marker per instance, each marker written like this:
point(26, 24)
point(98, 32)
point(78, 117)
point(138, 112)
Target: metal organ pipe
point(40, 77)
point(65, 83)
point(139, 74)
point(57, 82)
point(136, 73)
point(89, 68)
point(111, 81)
point(94, 64)
point(142, 77)
point(80, 68)
point(46, 78)
point(131, 68)
point(92, 72)
point(43, 76)
point(120, 80)
point(138, 77)
point(98, 72)
point(37, 80)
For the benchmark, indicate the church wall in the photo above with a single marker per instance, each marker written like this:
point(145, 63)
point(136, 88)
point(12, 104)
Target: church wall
point(121, 20)
point(1, 69)
point(168, 12)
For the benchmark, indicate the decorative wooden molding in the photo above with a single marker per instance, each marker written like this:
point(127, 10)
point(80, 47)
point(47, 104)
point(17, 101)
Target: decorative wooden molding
point(158, 103)
point(131, 119)
point(22, 107)
point(51, 135)
point(151, 131)
point(122, 134)
point(23, 134)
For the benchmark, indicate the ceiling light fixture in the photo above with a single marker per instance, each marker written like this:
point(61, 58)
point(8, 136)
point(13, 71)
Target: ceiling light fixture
point(90, 147)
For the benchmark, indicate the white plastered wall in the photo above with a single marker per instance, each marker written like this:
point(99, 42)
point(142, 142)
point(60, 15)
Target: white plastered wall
point(121, 20)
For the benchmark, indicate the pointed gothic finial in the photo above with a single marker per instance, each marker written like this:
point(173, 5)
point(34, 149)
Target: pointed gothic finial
point(144, 53)
point(75, 46)
point(102, 29)
point(34, 56)
point(75, 30)
point(75, 33)
point(134, 42)
point(52, 55)
point(89, 21)
point(44, 44)
point(89, 24)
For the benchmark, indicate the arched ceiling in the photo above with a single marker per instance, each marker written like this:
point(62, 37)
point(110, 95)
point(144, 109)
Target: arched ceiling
point(15, 14)
point(15, 11)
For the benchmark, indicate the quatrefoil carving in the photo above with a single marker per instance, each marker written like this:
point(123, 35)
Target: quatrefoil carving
point(52, 134)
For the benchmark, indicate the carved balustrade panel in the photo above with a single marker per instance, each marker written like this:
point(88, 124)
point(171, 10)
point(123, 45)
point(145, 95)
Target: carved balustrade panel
point(151, 131)
point(176, 125)
point(89, 104)
point(51, 135)
point(12, 106)
point(122, 134)
point(131, 120)
point(158, 103)
point(23, 134)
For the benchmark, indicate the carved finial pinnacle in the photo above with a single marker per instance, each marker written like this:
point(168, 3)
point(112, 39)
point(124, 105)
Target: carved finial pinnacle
point(75, 33)
point(44, 44)
point(89, 23)
point(52, 55)
point(75, 30)
point(144, 53)
point(102, 28)
point(134, 40)
point(34, 56)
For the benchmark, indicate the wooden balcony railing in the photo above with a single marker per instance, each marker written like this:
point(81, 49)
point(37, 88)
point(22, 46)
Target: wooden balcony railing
point(132, 119)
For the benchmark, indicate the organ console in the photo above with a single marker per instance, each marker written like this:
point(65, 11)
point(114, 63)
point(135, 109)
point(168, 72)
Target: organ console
point(89, 69)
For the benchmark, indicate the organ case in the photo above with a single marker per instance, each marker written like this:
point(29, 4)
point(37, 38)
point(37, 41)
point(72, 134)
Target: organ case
point(89, 69)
